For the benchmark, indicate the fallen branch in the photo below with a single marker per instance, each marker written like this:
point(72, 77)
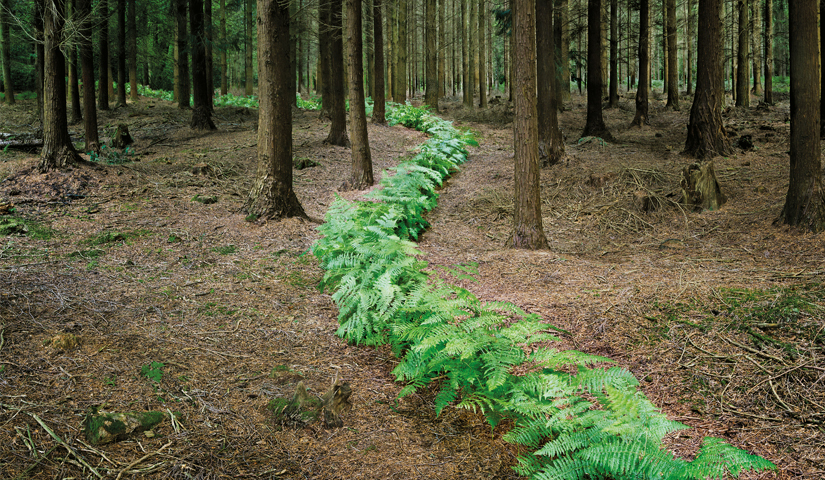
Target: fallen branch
point(71, 450)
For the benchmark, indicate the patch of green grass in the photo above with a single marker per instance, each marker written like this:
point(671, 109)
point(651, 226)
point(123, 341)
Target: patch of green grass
point(225, 250)
point(90, 253)
point(107, 237)
point(14, 225)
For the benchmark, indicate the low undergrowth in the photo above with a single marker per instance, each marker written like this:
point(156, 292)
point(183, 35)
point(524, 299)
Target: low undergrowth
point(578, 418)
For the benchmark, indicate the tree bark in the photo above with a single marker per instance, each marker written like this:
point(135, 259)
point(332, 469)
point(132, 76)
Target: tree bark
point(768, 16)
point(743, 86)
point(58, 151)
point(482, 54)
point(528, 231)
point(706, 135)
point(103, 78)
point(805, 202)
point(442, 48)
point(272, 196)
point(224, 80)
point(324, 57)
point(74, 85)
point(210, 65)
point(338, 110)
point(201, 113)
point(400, 94)
point(689, 37)
point(642, 92)
point(756, 23)
point(250, 37)
point(121, 54)
point(133, 82)
point(378, 108)
point(594, 126)
point(614, 55)
point(550, 141)
point(563, 7)
point(183, 54)
point(88, 69)
point(5, 38)
point(431, 93)
point(361, 175)
point(466, 84)
point(672, 60)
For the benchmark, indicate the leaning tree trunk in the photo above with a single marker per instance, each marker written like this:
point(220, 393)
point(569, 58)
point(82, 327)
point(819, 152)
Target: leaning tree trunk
point(528, 230)
point(805, 202)
point(338, 110)
point(642, 117)
point(58, 151)
point(379, 108)
point(594, 126)
point(5, 39)
point(361, 174)
point(201, 114)
point(88, 68)
point(272, 195)
point(706, 136)
point(550, 141)
point(103, 78)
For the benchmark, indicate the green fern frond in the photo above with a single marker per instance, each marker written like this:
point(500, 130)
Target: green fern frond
point(716, 456)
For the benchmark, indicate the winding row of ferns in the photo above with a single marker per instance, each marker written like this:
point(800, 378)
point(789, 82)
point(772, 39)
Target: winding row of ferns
point(592, 424)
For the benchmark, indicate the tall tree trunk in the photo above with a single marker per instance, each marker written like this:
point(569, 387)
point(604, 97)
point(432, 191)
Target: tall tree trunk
point(756, 26)
point(103, 78)
point(564, 7)
point(665, 57)
point(133, 82)
point(466, 84)
point(250, 41)
point(472, 80)
point(743, 76)
point(805, 202)
point(58, 151)
point(689, 36)
point(324, 56)
point(293, 50)
point(392, 50)
point(482, 56)
point(768, 67)
point(88, 68)
point(5, 38)
point(224, 80)
point(338, 111)
point(74, 84)
point(183, 54)
point(272, 195)
point(121, 54)
point(361, 175)
point(378, 109)
point(642, 92)
point(672, 60)
point(442, 48)
point(369, 47)
point(822, 69)
point(201, 113)
point(400, 95)
point(431, 93)
point(550, 141)
point(614, 55)
point(594, 125)
point(706, 136)
point(528, 231)
point(210, 64)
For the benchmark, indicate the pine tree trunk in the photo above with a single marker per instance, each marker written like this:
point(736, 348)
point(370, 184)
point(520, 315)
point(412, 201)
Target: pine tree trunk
point(563, 6)
point(672, 60)
point(756, 26)
point(224, 80)
point(201, 113)
point(103, 78)
point(482, 54)
point(379, 108)
point(689, 36)
point(528, 231)
point(805, 202)
point(466, 84)
point(369, 32)
point(401, 73)
point(743, 57)
point(5, 38)
point(183, 54)
point(74, 84)
point(250, 41)
point(58, 151)
point(210, 64)
point(594, 126)
point(121, 54)
point(272, 196)
point(706, 136)
point(133, 82)
point(442, 49)
point(614, 55)
point(88, 69)
point(324, 58)
point(550, 141)
point(338, 111)
point(361, 175)
point(768, 66)
point(642, 92)
point(431, 93)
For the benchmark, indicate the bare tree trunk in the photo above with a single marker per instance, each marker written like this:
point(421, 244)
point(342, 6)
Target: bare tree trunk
point(183, 54)
point(689, 43)
point(103, 79)
point(563, 7)
point(482, 54)
point(338, 112)
point(756, 26)
point(272, 195)
point(224, 82)
point(442, 48)
point(431, 93)
point(378, 109)
point(133, 82)
point(324, 58)
point(369, 32)
point(5, 38)
point(528, 231)
point(768, 16)
point(250, 37)
point(550, 141)
point(88, 69)
point(642, 92)
point(58, 151)
point(466, 84)
point(594, 125)
point(74, 84)
point(361, 175)
point(614, 55)
point(201, 113)
point(210, 64)
point(743, 86)
point(472, 79)
point(121, 54)
point(672, 60)
point(400, 95)
point(805, 202)
point(706, 136)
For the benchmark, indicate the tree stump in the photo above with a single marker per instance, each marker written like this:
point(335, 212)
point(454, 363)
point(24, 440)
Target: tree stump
point(700, 189)
point(122, 138)
point(304, 408)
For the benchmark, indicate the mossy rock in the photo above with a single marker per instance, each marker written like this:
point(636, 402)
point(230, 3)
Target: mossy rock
point(111, 427)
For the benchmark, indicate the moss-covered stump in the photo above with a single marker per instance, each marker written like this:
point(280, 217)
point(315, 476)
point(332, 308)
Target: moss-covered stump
point(700, 189)
point(305, 408)
point(122, 138)
point(111, 427)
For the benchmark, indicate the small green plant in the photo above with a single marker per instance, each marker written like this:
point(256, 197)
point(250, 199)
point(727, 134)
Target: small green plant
point(110, 381)
point(104, 238)
point(153, 371)
point(225, 250)
point(112, 156)
point(13, 225)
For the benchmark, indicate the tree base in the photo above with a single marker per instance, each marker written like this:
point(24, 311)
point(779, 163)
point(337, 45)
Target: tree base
point(270, 200)
point(201, 119)
point(122, 138)
point(700, 189)
point(338, 138)
point(529, 238)
point(60, 159)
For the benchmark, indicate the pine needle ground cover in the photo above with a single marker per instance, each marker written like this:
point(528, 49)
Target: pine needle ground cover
point(583, 421)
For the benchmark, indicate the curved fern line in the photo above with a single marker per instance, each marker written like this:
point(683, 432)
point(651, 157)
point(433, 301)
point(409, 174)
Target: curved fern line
point(580, 419)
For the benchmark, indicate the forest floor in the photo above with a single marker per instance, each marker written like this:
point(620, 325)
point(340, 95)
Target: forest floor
point(719, 314)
